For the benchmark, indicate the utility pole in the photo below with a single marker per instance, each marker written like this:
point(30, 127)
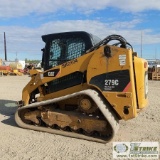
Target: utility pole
point(156, 55)
point(16, 57)
point(5, 48)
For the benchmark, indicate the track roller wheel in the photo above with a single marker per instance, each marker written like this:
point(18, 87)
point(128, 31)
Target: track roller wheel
point(87, 105)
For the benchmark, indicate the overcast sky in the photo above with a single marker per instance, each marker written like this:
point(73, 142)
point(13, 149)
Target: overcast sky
point(24, 21)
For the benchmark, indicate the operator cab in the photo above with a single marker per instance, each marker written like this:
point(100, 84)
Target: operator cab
point(62, 47)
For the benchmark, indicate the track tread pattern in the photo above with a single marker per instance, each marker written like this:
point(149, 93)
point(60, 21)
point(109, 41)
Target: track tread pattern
point(96, 97)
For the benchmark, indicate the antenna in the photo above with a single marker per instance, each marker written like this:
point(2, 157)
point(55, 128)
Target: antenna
point(141, 43)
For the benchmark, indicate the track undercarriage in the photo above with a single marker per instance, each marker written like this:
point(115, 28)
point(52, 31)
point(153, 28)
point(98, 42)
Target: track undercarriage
point(90, 119)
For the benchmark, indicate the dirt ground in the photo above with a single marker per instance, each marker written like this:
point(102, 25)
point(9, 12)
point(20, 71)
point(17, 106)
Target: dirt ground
point(21, 144)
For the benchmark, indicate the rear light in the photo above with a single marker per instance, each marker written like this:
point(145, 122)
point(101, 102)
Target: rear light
point(146, 84)
point(145, 64)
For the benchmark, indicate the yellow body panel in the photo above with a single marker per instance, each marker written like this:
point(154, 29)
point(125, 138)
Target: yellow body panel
point(80, 64)
point(96, 63)
point(141, 69)
point(117, 99)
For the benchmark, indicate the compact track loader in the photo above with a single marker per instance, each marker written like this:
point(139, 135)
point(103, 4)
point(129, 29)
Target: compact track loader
point(87, 86)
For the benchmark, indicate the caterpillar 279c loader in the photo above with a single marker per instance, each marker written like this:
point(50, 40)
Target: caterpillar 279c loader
point(87, 86)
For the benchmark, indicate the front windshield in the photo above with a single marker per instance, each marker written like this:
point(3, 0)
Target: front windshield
point(62, 50)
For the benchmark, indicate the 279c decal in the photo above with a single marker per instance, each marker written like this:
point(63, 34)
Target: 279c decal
point(110, 84)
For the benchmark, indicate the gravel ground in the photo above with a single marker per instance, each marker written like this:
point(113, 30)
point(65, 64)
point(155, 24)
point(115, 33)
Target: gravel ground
point(21, 144)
